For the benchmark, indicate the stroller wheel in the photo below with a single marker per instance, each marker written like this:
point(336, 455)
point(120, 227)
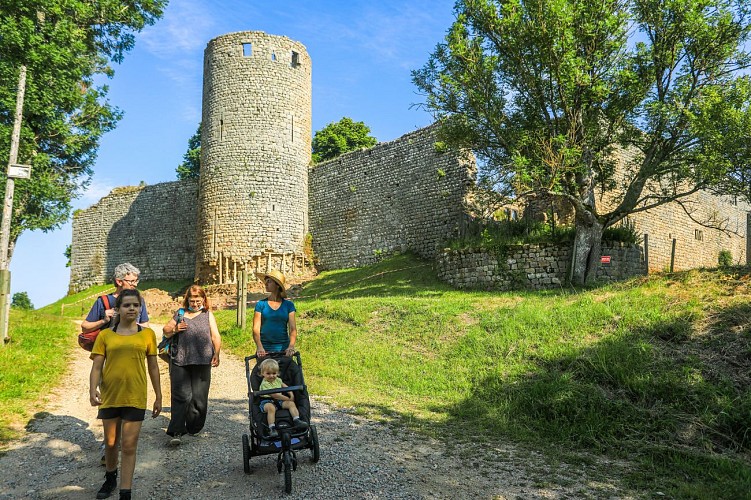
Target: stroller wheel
point(287, 472)
point(246, 454)
point(314, 443)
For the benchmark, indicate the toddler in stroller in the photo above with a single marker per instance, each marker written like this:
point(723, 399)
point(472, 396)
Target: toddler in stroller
point(285, 400)
point(279, 415)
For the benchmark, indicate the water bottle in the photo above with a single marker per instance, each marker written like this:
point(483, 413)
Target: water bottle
point(180, 314)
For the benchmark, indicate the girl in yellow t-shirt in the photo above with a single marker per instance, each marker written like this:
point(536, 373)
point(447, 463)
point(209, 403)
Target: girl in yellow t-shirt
point(120, 357)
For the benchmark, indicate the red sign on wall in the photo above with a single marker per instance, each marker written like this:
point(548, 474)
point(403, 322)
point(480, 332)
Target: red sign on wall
point(605, 259)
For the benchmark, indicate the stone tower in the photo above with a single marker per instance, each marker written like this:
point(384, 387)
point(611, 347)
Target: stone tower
point(255, 152)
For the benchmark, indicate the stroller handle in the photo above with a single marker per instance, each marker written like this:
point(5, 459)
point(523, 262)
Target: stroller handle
point(291, 388)
point(275, 354)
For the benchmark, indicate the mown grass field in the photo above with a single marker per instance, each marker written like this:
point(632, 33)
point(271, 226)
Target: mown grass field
point(652, 374)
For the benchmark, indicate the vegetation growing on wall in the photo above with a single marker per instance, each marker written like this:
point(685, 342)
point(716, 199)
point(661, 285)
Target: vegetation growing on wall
point(500, 234)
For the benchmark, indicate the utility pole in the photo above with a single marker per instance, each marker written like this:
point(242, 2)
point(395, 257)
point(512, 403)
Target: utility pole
point(8, 209)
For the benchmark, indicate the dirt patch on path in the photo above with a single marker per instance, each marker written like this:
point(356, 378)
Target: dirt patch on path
point(58, 457)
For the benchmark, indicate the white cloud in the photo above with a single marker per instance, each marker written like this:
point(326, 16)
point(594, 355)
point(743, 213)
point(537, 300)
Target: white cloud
point(184, 29)
point(93, 193)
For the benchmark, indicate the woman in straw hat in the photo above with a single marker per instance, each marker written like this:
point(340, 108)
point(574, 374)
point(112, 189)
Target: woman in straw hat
point(274, 328)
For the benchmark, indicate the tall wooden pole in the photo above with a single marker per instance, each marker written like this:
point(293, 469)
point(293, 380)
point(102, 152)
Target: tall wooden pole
point(8, 209)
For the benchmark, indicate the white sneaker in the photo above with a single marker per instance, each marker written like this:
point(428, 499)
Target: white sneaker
point(175, 441)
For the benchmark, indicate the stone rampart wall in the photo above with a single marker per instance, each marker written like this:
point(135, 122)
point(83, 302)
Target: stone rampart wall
point(396, 196)
point(531, 267)
point(152, 227)
point(696, 245)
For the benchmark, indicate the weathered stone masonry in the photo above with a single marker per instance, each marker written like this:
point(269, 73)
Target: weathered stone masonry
point(397, 196)
point(255, 151)
point(257, 192)
point(152, 226)
point(531, 267)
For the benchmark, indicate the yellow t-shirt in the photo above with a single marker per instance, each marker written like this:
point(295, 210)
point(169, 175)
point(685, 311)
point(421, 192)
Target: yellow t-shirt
point(124, 372)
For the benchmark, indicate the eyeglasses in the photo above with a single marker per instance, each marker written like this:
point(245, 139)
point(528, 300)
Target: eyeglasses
point(195, 300)
point(131, 282)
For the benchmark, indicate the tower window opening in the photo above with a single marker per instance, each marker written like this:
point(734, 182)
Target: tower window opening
point(295, 59)
point(273, 56)
point(221, 129)
point(247, 49)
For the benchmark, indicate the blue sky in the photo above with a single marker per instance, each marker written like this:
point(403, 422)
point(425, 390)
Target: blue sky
point(362, 54)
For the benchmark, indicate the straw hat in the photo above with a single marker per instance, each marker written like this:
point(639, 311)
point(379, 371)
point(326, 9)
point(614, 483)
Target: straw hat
point(278, 278)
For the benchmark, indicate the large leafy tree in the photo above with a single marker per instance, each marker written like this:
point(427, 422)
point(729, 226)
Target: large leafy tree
point(340, 137)
point(550, 93)
point(65, 45)
point(190, 168)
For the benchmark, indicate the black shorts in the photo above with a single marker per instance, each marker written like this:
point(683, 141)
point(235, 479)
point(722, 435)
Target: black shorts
point(125, 412)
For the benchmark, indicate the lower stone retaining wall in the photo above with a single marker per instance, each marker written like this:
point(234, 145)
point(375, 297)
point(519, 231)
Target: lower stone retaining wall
point(531, 267)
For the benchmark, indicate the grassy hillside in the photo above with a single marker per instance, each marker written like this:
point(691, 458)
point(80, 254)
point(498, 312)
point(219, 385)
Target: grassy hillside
point(647, 381)
point(655, 370)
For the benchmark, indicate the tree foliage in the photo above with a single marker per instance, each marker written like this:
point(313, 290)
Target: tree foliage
point(340, 137)
point(65, 45)
point(545, 92)
point(190, 168)
point(21, 300)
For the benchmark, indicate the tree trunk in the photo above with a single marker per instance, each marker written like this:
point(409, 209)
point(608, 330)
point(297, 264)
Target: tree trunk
point(587, 247)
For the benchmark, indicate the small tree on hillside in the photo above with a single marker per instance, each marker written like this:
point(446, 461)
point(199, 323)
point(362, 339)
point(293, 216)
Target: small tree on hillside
point(190, 168)
point(337, 138)
point(544, 91)
point(21, 300)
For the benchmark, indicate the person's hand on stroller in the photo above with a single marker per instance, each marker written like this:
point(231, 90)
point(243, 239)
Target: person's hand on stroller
point(290, 351)
point(260, 352)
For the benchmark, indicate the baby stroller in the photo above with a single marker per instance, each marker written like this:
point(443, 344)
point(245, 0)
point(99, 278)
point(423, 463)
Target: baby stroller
point(290, 440)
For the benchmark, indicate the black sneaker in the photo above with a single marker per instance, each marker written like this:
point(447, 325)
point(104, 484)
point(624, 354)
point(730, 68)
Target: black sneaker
point(110, 483)
point(300, 424)
point(273, 433)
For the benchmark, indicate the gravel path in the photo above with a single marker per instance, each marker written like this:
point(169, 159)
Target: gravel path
point(59, 456)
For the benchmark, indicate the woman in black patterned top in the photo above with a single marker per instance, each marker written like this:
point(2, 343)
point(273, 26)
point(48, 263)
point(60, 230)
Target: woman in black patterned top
point(196, 351)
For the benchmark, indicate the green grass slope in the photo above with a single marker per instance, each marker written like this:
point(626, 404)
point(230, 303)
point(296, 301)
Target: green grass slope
point(654, 370)
point(648, 380)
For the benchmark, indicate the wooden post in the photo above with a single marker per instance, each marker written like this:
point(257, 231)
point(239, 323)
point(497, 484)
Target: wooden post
point(672, 257)
point(238, 296)
point(220, 267)
point(646, 252)
point(242, 298)
point(244, 280)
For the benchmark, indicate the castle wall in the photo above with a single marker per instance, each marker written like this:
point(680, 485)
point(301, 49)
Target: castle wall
point(152, 227)
point(696, 245)
point(531, 267)
point(255, 151)
point(397, 196)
